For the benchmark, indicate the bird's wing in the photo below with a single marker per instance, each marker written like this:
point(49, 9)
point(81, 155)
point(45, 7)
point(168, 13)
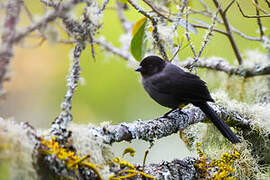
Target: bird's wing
point(182, 85)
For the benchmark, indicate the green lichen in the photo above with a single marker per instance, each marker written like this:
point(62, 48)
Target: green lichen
point(15, 151)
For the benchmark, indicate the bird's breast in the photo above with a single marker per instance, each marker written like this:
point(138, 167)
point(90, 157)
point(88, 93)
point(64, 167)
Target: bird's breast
point(164, 99)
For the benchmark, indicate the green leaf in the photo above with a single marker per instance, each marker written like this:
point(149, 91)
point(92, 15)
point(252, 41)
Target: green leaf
point(138, 43)
point(138, 24)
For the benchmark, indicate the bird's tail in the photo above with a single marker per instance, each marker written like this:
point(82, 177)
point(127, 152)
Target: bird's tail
point(218, 122)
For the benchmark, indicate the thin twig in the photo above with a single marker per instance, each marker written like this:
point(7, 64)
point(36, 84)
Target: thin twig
point(268, 3)
point(158, 42)
point(151, 5)
point(155, 33)
point(205, 27)
point(109, 47)
point(250, 16)
point(124, 22)
point(140, 10)
point(106, 2)
point(259, 22)
point(205, 6)
point(243, 35)
point(188, 36)
point(259, 8)
point(206, 39)
point(176, 52)
point(28, 13)
point(51, 3)
point(228, 6)
point(228, 29)
point(51, 16)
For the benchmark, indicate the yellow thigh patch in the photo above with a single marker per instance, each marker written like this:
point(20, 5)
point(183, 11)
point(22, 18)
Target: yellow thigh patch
point(181, 106)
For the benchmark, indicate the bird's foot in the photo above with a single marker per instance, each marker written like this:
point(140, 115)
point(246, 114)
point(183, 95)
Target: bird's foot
point(166, 115)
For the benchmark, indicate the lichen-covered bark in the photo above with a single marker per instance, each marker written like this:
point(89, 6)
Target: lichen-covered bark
point(161, 127)
point(13, 9)
point(176, 169)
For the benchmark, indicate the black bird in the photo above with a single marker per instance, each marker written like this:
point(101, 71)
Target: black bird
point(172, 87)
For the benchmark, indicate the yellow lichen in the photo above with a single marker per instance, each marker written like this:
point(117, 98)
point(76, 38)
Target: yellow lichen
point(215, 169)
point(71, 159)
point(130, 170)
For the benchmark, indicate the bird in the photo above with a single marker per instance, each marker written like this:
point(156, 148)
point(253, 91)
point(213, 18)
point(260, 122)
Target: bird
point(172, 87)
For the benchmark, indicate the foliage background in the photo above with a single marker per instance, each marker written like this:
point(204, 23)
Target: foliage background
point(109, 90)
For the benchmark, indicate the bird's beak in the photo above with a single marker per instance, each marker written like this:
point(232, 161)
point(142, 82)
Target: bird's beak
point(139, 69)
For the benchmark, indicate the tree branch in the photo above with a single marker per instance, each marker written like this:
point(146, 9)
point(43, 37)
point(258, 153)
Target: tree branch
point(259, 22)
point(59, 126)
point(13, 9)
point(51, 16)
point(155, 33)
point(250, 16)
point(228, 29)
point(157, 128)
point(224, 66)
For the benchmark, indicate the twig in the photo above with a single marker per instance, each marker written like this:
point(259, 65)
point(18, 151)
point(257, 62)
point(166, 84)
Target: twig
point(51, 3)
point(51, 16)
point(59, 126)
point(224, 66)
point(13, 9)
point(250, 16)
point(206, 39)
point(140, 10)
point(259, 22)
point(259, 8)
point(106, 2)
point(176, 52)
point(151, 5)
point(158, 42)
point(189, 39)
point(228, 6)
point(228, 29)
point(124, 22)
point(268, 3)
point(182, 7)
point(28, 13)
point(205, 6)
point(245, 36)
point(117, 51)
point(155, 33)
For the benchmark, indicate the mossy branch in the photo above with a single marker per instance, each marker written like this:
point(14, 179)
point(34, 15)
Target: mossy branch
point(153, 129)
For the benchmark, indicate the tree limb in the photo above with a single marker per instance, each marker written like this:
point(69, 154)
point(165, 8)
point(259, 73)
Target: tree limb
point(13, 9)
point(229, 31)
point(224, 66)
point(151, 130)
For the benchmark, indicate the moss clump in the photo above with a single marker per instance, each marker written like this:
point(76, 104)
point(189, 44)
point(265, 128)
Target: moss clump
point(215, 169)
point(49, 149)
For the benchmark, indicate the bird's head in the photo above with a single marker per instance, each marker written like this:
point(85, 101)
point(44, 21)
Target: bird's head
point(151, 65)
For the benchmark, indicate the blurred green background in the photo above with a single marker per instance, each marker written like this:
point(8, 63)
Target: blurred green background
point(110, 90)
